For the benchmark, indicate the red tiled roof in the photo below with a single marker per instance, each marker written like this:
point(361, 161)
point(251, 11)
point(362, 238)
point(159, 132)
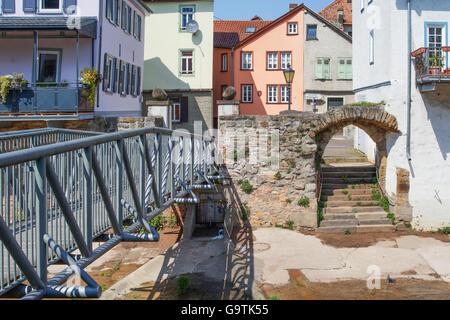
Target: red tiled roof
point(331, 12)
point(239, 26)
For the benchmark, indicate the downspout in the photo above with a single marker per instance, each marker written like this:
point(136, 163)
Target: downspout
point(100, 36)
point(232, 66)
point(408, 101)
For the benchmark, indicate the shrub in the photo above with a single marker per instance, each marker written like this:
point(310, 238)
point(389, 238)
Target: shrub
point(391, 216)
point(277, 175)
point(290, 225)
point(376, 195)
point(303, 202)
point(320, 214)
point(183, 283)
point(347, 232)
point(288, 201)
point(91, 78)
point(157, 222)
point(367, 104)
point(384, 203)
point(246, 187)
point(345, 191)
point(245, 212)
point(172, 222)
point(445, 230)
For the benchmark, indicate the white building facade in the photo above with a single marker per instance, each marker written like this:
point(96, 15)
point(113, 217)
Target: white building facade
point(381, 55)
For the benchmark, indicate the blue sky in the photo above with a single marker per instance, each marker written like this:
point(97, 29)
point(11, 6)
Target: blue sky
point(266, 9)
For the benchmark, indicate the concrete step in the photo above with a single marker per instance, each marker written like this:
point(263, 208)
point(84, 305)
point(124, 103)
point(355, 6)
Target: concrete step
point(376, 228)
point(340, 229)
point(352, 192)
point(349, 169)
point(351, 203)
point(364, 197)
point(334, 186)
point(339, 223)
point(340, 216)
point(349, 181)
point(333, 160)
point(371, 222)
point(349, 174)
point(370, 215)
point(351, 209)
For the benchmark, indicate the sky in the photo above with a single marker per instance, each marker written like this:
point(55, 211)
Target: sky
point(266, 9)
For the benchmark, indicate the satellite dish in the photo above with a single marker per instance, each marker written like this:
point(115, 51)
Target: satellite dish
point(192, 26)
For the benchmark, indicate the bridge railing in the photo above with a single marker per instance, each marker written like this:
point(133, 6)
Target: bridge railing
point(74, 191)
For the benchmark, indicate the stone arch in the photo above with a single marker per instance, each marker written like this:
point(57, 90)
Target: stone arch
point(373, 120)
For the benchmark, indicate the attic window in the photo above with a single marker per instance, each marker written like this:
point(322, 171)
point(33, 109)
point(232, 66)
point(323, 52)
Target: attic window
point(250, 30)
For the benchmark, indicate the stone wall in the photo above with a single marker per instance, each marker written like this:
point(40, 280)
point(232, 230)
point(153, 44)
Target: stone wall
point(290, 172)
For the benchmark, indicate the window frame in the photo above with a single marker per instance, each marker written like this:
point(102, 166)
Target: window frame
point(242, 60)
point(281, 94)
point(181, 52)
point(173, 113)
point(224, 62)
point(277, 60)
point(42, 10)
point(194, 10)
point(276, 94)
point(296, 28)
point(281, 59)
point(249, 95)
point(322, 73)
point(345, 71)
point(58, 53)
point(308, 26)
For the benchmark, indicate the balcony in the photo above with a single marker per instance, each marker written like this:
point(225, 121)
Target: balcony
point(59, 99)
point(432, 67)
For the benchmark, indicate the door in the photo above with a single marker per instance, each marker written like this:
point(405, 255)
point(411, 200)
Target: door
point(437, 38)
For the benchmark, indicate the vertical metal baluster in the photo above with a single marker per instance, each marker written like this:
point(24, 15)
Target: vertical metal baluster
point(87, 195)
point(41, 217)
point(119, 181)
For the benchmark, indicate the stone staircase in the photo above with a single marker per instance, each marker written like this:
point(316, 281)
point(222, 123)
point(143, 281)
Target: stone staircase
point(348, 205)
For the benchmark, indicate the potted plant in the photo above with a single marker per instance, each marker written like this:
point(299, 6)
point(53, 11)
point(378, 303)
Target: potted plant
point(436, 63)
point(9, 82)
point(91, 79)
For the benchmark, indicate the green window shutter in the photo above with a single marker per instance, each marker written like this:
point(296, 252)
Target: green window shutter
point(326, 72)
point(319, 68)
point(349, 69)
point(342, 69)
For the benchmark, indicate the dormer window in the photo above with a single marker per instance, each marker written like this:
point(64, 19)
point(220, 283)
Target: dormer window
point(50, 6)
point(250, 30)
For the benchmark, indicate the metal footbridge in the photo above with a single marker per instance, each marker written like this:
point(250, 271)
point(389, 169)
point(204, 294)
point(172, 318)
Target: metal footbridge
point(60, 189)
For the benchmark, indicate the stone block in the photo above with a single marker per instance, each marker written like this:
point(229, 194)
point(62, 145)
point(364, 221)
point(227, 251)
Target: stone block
point(306, 219)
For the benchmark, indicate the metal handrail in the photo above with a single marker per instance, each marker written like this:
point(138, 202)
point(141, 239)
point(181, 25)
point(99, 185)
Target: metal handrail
point(73, 191)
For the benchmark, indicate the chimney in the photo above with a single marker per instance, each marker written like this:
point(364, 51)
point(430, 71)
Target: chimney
point(292, 6)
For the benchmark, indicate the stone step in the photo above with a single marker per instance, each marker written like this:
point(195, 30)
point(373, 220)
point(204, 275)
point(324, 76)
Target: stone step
point(351, 203)
point(363, 197)
point(334, 186)
point(340, 216)
point(358, 175)
point(352, 192)
point(370, 215)
point(340, 229)
point(376, 228)
point(351, 209)
point(339, 223)
point(348, 169)
point(372, 222)
point(349, 181)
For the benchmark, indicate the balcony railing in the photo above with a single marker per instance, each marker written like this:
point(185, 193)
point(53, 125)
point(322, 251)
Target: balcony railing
point(432, 64)
point(47, 97)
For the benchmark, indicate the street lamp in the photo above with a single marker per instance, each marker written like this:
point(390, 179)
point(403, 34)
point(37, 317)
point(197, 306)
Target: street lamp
point(289, 76)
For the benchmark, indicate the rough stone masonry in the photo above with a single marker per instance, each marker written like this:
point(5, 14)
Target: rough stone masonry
point(283, 172)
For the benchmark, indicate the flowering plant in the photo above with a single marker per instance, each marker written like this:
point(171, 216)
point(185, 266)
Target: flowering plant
point(91, 78)
point(8, 82)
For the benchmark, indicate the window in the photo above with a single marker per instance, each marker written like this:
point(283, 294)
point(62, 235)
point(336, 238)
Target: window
point(123, 19)
point(292, 28)
point(187, 62)
point(246, 61)
point(284, 94)
point(436, 34)
point(49, 66)
point(133, 80)
point(50, 6)
point(113, 11)
point(121, 77)
point(323, 68)
point(187, 15)
point(311, 32)
point(345, 69)
point(250, 30)
point(176, 112)
point(286, 60)
point(138, 27)
point(129, 21)
point(272, 94)
point(272, 61)
point(225, 62)
point(247, 93)
point(372, 47)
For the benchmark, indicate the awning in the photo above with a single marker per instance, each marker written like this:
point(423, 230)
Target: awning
point(313, 96)
point(85, 25)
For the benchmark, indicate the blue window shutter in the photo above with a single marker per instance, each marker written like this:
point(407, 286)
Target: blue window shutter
point(29, 6)
point(68, 4)
point(9, 6)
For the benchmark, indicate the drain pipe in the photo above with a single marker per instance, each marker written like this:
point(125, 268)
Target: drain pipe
point(408, 102)
point(232, 66)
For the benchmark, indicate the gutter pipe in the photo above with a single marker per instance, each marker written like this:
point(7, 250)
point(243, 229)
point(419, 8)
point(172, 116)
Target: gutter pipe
point(408, 102)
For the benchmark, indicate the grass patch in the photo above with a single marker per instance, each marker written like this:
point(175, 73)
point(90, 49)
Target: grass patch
point(345, 191)
point(384, 203)
point(157, 222)
point(299, 150)
point(391, 216)
point(183, 283)
point(245, 213)
point(288, 201)
point(376, 195)
point(303, 202)
point(367, 104)
point(347, 232)
point(274, 298)
point(172, 222)
point(246, 187)
point(277, 175)
point(345, 179)
point(320, 215)
point(445, 230)
point(349, 197)
point(117, 266)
